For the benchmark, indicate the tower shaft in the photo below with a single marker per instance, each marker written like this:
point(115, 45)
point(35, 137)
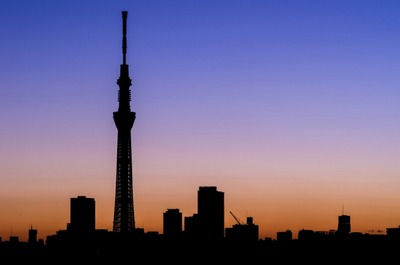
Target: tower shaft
point(124, 217)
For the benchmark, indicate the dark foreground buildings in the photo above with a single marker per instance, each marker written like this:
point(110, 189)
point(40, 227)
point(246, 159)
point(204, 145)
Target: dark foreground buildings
point(208, 222)
point(81, 241)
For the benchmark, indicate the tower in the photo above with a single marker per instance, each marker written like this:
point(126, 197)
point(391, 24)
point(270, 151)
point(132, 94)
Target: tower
point(124, 218)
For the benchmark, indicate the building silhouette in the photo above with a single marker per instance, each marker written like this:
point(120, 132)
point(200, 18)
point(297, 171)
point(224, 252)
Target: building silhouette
point(191, 227)
point(242, 231)
point(306, 234)
point(210, 209)
point(284, 236)
point(124, 217)
point(14, 239)
point(393, 232)
point(344, 226)
point(32, 236)
point(172, 224)
point(82, 215)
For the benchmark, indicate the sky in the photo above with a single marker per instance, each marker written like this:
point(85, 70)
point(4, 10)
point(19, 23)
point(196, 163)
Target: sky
point(291, 108)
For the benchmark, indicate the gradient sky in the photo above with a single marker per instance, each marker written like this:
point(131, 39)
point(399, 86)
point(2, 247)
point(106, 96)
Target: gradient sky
point(291, 108)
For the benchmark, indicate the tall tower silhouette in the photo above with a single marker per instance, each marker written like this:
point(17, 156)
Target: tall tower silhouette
point(124, 217)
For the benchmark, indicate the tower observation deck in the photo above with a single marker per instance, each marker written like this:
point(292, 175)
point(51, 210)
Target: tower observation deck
point(124, 217)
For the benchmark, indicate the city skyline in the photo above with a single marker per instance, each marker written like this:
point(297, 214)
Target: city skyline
point(289, 108)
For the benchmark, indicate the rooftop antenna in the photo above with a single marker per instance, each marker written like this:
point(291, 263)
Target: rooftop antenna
point(343, 209)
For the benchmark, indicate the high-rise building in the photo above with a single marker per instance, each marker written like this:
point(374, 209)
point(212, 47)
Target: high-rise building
point(344, 226)
point(210, 210)
point(82, 215)
point(124, 218)
point(191, 227)
point(172, 224)
point(32, 235)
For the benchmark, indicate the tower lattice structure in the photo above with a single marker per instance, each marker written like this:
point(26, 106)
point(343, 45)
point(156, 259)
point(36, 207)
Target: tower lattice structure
point(124, 217)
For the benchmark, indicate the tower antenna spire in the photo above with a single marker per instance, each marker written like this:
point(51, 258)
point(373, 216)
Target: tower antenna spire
point(124, 43)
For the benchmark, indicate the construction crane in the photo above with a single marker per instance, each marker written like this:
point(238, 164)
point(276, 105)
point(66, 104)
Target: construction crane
point(237, 219)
